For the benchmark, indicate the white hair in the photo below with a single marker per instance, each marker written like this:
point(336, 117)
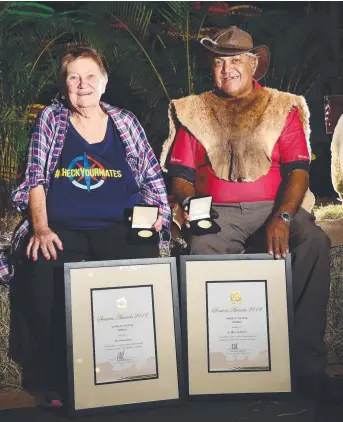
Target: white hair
point(251, 54)
point(255, 56)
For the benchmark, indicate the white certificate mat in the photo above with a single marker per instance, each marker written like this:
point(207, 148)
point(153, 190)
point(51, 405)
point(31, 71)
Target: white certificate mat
point(124, 342)
point(235, 278)
point(237, 326)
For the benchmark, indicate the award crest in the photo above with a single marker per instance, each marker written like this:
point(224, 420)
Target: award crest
point(236, 296)
point(122, 303)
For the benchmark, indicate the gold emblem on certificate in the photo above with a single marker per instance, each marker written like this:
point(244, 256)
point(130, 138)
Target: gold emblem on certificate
point(145, 233)
point(236, 297)
point(204, 224)
point(122, 303)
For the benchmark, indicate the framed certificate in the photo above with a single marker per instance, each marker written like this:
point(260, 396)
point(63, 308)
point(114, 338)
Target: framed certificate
point(123, 334)
point(237, 313)
point(124, 343)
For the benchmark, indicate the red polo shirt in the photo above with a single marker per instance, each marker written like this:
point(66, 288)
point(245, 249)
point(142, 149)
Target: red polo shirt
point(189, 161)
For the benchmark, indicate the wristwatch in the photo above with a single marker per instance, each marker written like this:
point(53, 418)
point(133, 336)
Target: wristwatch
point(285, 216)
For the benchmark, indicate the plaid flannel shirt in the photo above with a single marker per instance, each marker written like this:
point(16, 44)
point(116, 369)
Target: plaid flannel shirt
point(46, 147)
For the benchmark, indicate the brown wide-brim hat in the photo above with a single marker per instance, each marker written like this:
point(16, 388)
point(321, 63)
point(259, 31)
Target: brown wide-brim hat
point(234, 41)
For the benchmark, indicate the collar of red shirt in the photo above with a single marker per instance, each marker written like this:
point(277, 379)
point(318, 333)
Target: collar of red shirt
point(256, 84)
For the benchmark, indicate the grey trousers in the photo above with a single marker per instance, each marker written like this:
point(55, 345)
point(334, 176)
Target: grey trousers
point(242, 227)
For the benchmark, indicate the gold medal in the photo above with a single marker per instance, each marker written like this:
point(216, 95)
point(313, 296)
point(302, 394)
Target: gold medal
point(204, 224)
point(145, 233)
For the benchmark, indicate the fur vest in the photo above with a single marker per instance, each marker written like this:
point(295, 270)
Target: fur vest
point(238, 134)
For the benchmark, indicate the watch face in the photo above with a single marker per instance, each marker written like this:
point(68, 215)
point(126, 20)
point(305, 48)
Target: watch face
point(285, 216)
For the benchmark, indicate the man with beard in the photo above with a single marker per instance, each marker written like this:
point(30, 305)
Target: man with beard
point(248, 147)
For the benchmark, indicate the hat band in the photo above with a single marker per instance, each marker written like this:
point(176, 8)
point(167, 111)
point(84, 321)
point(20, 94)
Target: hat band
point(228, 46)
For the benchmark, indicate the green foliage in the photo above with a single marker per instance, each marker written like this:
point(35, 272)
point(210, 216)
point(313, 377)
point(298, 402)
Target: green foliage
point(28, 66)
point(300, 49)
point(153, 55)
point(29, 50)
point(151, 50)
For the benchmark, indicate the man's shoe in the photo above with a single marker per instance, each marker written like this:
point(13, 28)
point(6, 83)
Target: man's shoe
point(333, 389)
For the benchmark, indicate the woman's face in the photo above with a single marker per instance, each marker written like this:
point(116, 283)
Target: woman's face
point(85, 83)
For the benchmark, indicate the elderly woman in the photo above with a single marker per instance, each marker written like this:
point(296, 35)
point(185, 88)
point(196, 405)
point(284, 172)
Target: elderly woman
point(88, 162)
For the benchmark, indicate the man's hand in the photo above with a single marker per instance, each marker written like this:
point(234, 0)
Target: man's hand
point(180, 216)
point(45, 240)
point(277, 233)
point(181, 189)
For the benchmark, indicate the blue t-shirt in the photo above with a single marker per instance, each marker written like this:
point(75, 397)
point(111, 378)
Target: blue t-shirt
point(92, 183)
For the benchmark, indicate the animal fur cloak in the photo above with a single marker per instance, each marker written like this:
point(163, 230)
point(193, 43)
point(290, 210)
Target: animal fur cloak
point(238, 134)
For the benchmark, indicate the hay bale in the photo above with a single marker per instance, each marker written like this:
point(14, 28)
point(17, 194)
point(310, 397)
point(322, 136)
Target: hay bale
point(7, 226)
point(10, 372)
point(334, 328)
point(334, 229)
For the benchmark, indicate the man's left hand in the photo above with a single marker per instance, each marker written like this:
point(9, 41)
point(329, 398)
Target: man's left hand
point(277, 233)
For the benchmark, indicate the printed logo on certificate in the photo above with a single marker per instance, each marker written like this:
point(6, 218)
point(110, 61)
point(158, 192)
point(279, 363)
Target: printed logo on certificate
point(124, 338)
point(237, 326)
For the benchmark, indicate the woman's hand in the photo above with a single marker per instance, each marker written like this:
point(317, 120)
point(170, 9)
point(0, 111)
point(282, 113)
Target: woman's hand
point(157, 226)
point(45, 240)
point(158, 223)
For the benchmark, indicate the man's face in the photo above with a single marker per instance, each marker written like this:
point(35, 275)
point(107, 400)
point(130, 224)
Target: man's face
point(233, 75)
